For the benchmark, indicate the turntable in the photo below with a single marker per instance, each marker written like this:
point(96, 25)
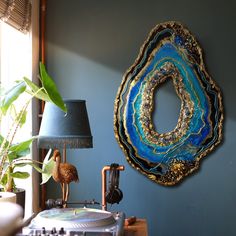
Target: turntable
point(76, 222)
point(82, 221)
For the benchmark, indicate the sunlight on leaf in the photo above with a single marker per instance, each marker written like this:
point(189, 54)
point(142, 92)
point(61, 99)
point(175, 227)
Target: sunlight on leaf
point(48, 165)
point(11, 95)
point(51, 88)
point(36, 91)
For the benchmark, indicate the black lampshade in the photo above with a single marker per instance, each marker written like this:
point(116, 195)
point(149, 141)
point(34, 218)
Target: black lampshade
point(71, 130)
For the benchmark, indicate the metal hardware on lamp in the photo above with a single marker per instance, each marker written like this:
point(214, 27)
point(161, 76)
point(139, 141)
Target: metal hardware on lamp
point(70, 130)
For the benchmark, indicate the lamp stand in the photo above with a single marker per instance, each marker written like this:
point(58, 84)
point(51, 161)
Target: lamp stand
point(65, 187)
point(64, 153)
point(64, 173)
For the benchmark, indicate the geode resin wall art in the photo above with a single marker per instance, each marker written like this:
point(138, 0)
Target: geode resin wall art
point(169, 53)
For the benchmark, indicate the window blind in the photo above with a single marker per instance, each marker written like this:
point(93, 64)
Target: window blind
point(16, 13)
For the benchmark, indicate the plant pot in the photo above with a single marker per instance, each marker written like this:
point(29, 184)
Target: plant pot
point(20, 197)
point(7, 197)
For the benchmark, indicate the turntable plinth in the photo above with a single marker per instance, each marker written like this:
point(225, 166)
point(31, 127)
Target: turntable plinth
point(76, 221)
point(139, 228)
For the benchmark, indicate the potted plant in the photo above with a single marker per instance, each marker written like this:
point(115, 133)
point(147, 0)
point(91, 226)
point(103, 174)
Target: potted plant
point(13, 155)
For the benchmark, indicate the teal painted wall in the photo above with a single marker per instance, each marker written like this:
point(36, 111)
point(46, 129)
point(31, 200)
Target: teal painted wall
point(89, 46)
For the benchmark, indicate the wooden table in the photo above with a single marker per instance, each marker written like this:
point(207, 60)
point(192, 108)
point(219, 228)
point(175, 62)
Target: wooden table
point(139, 228)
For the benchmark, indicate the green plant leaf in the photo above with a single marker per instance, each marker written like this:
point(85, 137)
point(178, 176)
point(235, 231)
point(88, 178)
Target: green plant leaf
point(36, 91)
point(11, 95)
point(18, 117)
point(23, 163)
point(36, 167)
point(51, 88)
point(22, 119)
point(2, 139)
point(48, 166)
point(21, 149)
point(3, 181)
point(11, 156)
point(20, 164)
point(20, 175)
point(22, 146)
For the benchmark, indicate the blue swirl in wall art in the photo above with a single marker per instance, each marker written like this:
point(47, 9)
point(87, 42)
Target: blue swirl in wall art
point(169, 53)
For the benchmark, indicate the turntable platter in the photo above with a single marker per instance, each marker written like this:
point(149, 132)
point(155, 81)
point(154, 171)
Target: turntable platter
point(72, 218)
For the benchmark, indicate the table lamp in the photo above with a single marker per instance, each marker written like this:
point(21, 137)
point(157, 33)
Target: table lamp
point(70, 130)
